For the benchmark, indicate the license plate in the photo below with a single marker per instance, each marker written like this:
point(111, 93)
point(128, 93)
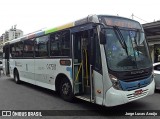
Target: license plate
point(138, 92)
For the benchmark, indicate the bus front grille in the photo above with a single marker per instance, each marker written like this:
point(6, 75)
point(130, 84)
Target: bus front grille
point(136, 77)
point(133, 96)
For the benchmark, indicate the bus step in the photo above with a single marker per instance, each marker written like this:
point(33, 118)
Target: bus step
point(77, 83)
point(77, 87)
point(87, 90)
point(77, 64)
point(86, 98)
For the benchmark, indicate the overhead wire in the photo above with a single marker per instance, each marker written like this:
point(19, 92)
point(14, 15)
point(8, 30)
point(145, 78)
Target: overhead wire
point(138, 18)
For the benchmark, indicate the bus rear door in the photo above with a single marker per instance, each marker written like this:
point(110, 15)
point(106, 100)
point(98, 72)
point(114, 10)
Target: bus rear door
point(6, 59)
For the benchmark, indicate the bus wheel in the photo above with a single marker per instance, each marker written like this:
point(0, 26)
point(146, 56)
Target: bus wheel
point(16, 77)
point(66, 90)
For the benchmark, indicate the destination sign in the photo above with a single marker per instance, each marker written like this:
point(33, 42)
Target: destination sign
point(121, 22)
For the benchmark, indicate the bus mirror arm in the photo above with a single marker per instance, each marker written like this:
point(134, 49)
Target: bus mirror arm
point(100, 24)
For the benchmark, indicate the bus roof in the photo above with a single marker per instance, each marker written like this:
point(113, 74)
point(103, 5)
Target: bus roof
point(51, 30)
point(88, 19)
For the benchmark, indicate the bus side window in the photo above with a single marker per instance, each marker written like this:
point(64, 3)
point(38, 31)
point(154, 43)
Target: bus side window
point(60, 43)
point(12, 50)
point(41, 46)
point(55, 44)
point(19, 49)
point(65, 43)
point(28, 48)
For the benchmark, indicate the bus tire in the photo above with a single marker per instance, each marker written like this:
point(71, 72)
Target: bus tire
point(16, 77)
point(66, 90)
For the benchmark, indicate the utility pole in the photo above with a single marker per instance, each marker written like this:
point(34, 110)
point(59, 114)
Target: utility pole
point(132, 15)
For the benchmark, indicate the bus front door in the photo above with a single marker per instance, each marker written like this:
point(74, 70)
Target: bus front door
point(82, 68)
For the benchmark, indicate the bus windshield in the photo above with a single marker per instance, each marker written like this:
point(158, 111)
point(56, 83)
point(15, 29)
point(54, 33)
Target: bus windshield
point(126, 49)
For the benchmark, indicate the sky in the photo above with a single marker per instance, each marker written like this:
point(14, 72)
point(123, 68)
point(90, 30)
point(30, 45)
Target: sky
point(33, 15)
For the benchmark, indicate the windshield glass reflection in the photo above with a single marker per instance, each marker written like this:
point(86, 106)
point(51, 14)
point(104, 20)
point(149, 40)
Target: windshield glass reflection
point(134, 56)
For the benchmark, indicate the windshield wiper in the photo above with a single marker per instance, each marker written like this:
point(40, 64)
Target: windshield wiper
point(136, 44)
point(120, 38)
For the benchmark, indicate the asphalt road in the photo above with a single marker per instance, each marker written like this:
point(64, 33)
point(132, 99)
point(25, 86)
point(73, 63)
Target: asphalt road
point(29, 97)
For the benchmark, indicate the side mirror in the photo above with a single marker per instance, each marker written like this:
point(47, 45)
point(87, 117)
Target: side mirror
point(102, 37)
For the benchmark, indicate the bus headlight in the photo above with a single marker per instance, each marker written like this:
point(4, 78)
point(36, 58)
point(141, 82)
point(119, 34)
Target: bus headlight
point(115, 82)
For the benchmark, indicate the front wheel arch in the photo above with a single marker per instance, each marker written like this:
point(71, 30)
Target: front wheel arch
point(65, 89)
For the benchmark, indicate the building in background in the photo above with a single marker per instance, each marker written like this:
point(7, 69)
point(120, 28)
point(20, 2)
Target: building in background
point(11, 34)
point(152, 31)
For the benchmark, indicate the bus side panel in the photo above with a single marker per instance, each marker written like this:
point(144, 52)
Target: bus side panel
point(46, 71)
point(107, 84)
point(25, 68)
point(98, 87)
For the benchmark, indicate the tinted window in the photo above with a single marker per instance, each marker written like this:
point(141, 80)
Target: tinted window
point(126, 50)
point(60, 44)
point(19, 49)
point(12, 50)
point(41, 46)
point(65, 43)
point(28, 48)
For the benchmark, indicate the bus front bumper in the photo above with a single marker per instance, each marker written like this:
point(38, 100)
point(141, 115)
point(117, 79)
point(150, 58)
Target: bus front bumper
point(115, 97)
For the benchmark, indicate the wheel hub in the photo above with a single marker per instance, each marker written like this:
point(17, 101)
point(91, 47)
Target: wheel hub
point(65, 88)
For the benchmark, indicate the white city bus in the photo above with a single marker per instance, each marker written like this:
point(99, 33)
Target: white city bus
point(102, 59)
